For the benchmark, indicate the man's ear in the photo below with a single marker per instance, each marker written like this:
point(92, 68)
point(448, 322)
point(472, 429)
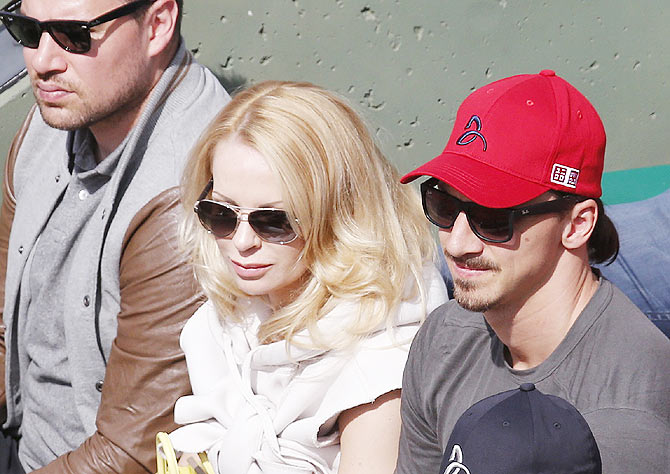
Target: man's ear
point(161, 19)
point(580, 223)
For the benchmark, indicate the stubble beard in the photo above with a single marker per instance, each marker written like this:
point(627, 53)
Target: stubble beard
point(472, 295)
point(88, 109)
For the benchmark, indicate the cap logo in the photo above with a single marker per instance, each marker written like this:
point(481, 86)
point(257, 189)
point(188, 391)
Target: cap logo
point(472, 135)
point(564, 175)
point(456, 465)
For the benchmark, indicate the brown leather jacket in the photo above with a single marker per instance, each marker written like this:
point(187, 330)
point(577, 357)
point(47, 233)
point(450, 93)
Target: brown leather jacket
point(146, 371)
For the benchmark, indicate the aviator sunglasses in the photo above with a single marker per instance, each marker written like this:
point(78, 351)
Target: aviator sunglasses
point(221, 219)
point(73, 36)
point(489, 224)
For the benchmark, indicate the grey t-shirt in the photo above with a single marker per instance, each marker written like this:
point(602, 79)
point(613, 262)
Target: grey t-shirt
point(613, 366)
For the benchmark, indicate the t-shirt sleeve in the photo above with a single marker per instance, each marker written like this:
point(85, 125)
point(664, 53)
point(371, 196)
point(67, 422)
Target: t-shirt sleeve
point(631, 440)
point(419, 444)
point(374, 369)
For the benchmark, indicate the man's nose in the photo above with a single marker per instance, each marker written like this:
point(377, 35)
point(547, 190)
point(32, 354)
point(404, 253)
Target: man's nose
point(460, 240)
point(47, 58)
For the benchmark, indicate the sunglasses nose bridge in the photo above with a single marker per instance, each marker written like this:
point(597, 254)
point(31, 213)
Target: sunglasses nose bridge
point(460, 208)
point(462, 221)
point(462, 238)
point(244, 236)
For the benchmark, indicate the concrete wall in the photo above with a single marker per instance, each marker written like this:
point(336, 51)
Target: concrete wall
point(407, 64)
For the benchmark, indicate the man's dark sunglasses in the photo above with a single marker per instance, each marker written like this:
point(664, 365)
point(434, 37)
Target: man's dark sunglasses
point(220, 219)
point(489, 224)
point(73, 36)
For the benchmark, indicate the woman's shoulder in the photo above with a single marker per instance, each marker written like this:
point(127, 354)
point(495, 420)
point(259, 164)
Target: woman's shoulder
point(207, 324)
point(415, 307)
point(198, 325)
point(436, 288)
point(201, 316)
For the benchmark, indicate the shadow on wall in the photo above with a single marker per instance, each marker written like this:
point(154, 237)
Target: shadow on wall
point(233, 83)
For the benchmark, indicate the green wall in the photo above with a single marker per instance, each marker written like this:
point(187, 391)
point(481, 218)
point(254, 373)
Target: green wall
point(407, 64)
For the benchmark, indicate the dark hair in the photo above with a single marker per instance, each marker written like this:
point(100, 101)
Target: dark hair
point(603, 245)
point(180, 6)
point(604, 242)
point(180, 13)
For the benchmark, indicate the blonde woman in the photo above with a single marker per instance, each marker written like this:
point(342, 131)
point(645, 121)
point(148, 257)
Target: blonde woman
point(318, 268)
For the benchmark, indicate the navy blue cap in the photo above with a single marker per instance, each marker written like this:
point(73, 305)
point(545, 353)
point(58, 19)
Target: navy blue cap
point(521, 431)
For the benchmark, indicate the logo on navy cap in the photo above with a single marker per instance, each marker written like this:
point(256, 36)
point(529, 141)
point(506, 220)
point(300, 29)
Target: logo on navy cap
point(456, 465)
point(472, 135)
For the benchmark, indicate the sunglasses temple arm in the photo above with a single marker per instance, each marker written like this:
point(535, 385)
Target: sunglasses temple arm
point(119, 12)
point(11, 6)
point(207, 189)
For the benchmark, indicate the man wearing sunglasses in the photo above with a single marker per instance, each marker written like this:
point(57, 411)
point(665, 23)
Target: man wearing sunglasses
point(96, 292)
point(515, 196)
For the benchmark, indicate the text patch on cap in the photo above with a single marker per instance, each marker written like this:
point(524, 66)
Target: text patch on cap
point(564, 175)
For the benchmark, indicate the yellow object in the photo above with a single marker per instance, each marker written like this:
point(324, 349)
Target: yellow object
point(166, 459)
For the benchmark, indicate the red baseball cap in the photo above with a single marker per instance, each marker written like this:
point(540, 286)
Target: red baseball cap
point(519, 137)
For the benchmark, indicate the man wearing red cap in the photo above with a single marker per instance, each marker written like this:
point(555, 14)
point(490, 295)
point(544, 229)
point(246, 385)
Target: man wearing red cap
point(515, 195)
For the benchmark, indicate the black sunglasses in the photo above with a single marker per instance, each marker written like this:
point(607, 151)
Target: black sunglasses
point(221, 220)
point(73, 36)
point(489, 224)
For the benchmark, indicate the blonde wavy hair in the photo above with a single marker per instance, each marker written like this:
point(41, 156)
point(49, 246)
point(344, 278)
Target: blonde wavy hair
point(366, 239)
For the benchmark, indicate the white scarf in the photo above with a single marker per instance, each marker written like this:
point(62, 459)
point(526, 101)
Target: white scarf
point(256, 408)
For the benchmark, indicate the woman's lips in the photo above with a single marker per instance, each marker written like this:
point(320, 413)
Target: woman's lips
point(250, 271)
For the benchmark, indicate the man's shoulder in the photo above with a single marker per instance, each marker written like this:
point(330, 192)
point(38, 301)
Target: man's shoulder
point(615, 343)
point(451, 315)
point(450, 327)
point(192, 101)
point(623, 321)
point(618, 362)
point(168, 132)
point(618, 378)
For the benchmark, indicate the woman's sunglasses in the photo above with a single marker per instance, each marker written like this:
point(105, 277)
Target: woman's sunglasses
point(221, 220)
point(489, 224)
point(73, 36)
